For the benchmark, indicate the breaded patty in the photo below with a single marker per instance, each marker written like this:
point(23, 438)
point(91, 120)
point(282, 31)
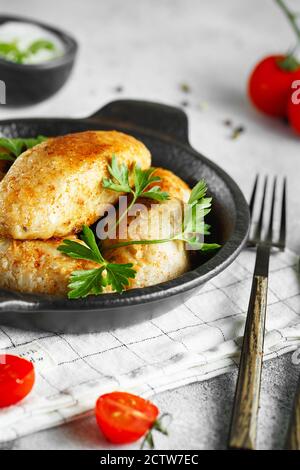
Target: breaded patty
point(56, 187)
point(37, 267)
point(172, 184)
point(158, 262)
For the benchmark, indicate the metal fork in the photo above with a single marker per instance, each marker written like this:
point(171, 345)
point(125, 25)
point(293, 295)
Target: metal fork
point(243, 427)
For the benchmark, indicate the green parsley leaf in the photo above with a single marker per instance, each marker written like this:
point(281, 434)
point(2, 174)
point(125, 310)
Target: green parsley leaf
point(39, 45)
point(210, 246)
point(141, 178)
point(193, 227)
point(89, 239)
point(156, 194)
point(18, 145)
point(83, 283)
point(11, 51)
point(89, 251)
point(198, 192)
point(117, 275)
point(194, 216)
point(196, 242)
point(120, 175)
point(92, 281)
point(206, 230)
point(78, 251)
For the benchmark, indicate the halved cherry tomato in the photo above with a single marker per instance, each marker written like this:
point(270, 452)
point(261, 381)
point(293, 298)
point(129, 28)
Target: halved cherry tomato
point(270, 84)
point(16, 379)
point(123, 417)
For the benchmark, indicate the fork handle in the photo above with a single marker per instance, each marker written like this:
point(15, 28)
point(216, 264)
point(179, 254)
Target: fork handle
point(244, 418)
point(293, 438)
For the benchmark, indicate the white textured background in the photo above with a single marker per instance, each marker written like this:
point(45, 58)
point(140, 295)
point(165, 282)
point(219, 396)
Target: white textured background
point(149, 47)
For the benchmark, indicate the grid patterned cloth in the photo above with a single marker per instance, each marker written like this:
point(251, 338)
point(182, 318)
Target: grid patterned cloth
point(198, 340)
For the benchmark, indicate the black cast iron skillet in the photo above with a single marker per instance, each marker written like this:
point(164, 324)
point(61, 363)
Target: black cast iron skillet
point(164, 130)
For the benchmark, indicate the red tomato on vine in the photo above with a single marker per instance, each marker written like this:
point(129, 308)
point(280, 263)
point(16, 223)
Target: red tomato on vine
point(270, 84)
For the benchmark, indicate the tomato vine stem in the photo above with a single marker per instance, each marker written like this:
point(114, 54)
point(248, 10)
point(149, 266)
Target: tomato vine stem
point(292, 17)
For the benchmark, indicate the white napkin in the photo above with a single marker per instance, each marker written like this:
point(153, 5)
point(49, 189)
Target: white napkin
point(196, 341)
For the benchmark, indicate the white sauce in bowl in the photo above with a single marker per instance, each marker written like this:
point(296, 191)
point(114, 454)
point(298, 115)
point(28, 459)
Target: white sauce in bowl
point(24, 34)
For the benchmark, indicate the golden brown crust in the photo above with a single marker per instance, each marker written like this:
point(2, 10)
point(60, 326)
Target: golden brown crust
point(56, 187)
point(172, 184)
point(37, 266)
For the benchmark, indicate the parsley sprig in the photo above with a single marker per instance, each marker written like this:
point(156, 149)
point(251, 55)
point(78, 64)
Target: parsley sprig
point(16, 146)
point(193, 227)
point(92, 281)
point(142, 179)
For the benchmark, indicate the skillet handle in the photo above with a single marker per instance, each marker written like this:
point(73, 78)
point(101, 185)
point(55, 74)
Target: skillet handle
point(13, 302)
point(160, 118)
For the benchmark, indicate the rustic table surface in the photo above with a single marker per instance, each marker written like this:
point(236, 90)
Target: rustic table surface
point(146, 50)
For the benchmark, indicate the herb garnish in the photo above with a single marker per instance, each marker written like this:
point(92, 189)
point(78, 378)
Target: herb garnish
point(193, 226)
point(142, 179)
point(83, 283)
point(16, 146)
point(12, 52)
point(92, 281)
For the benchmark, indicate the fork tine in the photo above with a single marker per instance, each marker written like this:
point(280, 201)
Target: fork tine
point(258, 229)
point(270, 228)
point(282, 235)
point(253, 195)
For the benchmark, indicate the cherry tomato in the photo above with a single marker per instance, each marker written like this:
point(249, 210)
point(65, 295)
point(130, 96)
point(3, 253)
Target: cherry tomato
point(123, 417)
point(270, 85)
point(16, 379)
